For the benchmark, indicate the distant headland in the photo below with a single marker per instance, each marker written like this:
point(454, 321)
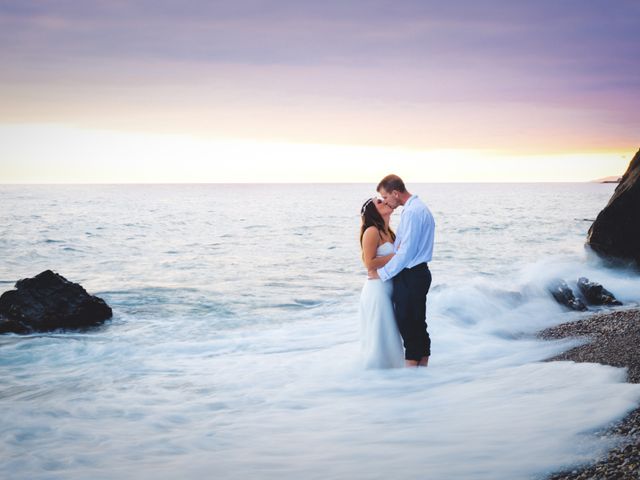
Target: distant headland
point(611, 179)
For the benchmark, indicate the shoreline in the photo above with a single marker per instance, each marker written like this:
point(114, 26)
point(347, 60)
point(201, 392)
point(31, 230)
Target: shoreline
point(613, 339)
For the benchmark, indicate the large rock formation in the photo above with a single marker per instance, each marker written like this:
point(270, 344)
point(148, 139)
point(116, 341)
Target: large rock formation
point(615, 234)
point(48, 302)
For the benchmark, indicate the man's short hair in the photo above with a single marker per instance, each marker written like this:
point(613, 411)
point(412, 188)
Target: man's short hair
point(390, 183)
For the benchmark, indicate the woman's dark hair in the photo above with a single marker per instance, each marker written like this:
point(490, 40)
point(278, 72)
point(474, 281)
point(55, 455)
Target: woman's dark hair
point(371, 218)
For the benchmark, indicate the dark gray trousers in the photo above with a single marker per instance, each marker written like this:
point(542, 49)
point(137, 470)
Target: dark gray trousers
point(410, 288)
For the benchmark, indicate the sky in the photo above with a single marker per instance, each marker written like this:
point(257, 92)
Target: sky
point(108, 91)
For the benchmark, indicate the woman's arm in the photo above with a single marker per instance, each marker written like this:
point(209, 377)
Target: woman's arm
point(369, 248)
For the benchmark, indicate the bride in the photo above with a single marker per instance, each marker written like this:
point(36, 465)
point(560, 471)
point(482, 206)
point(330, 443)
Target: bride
point(380, 338)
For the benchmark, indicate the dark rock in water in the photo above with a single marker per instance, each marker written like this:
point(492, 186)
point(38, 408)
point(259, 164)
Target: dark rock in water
point(48, 302)
point(596, 294)
point(615, 234)
point(564, 296)
point(8, 325)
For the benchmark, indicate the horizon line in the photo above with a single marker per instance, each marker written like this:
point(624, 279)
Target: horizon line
point(16, 184)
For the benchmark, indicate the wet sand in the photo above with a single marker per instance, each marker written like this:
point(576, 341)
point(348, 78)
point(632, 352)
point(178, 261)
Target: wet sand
point(613, 339)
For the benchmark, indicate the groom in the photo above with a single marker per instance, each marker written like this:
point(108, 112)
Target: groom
point(409, 269)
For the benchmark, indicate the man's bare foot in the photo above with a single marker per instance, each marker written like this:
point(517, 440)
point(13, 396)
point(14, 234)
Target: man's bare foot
point(424, 361)
point(411, 363)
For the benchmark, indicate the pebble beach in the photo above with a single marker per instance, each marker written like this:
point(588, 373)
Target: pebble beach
point(612, 338)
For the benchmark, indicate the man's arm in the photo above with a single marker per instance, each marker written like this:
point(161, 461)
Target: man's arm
point(405, 250)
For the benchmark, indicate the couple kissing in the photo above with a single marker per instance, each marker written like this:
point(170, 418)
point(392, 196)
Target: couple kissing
point(392, 307)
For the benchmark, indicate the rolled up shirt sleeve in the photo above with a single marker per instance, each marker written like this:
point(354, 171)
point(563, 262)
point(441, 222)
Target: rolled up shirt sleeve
point(404, 253)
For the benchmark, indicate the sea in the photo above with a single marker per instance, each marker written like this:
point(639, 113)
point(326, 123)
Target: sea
point(233, 351)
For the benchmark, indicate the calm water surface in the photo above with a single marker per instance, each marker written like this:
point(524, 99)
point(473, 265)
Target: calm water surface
point(233, 351)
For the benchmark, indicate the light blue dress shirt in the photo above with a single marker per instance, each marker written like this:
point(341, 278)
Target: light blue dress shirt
point(414, 239)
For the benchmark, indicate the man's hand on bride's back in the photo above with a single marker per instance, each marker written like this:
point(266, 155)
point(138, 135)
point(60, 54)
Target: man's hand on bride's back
point(373, 274)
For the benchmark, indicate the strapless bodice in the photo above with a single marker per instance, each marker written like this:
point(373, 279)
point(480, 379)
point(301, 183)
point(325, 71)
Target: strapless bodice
point(385, 249)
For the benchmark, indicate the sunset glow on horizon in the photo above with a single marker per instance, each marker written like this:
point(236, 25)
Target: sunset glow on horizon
point(140, 92)
point(156, 158)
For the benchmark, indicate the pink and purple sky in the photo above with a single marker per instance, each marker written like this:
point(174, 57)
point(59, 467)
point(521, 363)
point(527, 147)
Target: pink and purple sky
point(206, 91)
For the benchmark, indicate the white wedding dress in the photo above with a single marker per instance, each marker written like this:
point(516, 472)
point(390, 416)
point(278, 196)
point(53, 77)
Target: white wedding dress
point(380, 338)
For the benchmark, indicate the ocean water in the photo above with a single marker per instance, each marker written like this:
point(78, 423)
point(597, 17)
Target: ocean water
point(233, 350)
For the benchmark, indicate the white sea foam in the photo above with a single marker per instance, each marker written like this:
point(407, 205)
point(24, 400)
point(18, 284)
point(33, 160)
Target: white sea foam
point(235, 354)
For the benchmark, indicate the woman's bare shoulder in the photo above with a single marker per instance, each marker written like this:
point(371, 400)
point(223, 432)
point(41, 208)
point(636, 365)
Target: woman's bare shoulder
point(372, 230)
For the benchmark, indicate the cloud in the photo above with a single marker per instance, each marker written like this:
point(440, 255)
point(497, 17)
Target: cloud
point(343, 63)
point(327, 32)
